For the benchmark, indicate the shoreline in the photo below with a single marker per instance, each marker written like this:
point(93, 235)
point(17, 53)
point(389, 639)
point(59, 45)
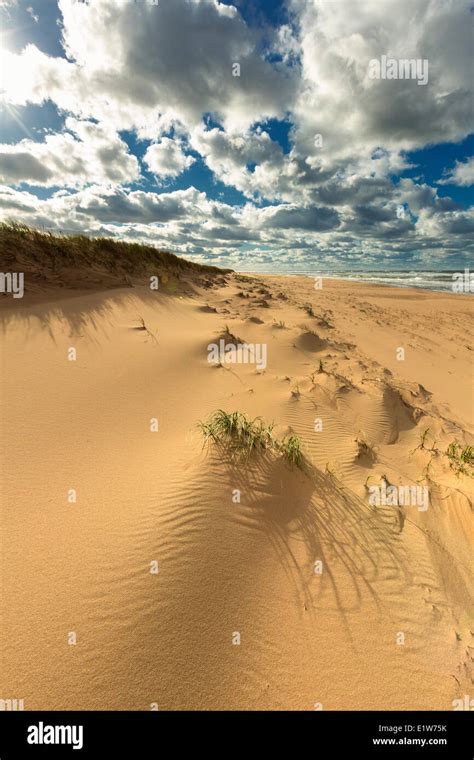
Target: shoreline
point(351, 281)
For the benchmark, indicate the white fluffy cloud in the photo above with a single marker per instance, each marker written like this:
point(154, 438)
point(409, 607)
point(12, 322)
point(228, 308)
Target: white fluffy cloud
point(128, 62)
point(462, 174)
point(357, 116)
point(248, 161)
point(85, 153)
point(166, 158)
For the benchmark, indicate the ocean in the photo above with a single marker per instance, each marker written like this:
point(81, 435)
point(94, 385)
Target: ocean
point(460, 281)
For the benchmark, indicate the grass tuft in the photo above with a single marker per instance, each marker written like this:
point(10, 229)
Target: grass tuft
point(461, 458)
point(236, 433)
point(290, 447)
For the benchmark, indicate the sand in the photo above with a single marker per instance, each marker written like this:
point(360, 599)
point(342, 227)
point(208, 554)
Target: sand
point(320, 587)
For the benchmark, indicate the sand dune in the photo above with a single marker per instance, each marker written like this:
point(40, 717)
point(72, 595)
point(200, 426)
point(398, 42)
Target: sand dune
point(306, 638)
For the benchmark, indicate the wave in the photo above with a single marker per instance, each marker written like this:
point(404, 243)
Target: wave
point(440, 281)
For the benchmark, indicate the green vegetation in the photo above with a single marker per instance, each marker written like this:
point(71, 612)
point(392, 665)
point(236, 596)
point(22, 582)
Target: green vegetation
point(290, 447)
point(236, 433)
point(55, 251)
point(461, 458)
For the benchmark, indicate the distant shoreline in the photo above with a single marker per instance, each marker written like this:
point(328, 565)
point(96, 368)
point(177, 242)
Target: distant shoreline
point(437, 286)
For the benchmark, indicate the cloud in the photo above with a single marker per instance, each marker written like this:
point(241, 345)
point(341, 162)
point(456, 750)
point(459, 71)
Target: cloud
point(461, 174)
point(444, 226)
point(121, 206)
point(337, 47)
point(32, 13)
point(15, 201)
point(17, 165)
point(164, 74)
point(166, 158)
point(127, 61)
point(86, 153)
point(312, 219)
point(250, 161)
point(188, 223)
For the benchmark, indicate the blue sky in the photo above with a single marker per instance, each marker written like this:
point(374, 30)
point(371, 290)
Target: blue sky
point(432, 162)
point(248, 134)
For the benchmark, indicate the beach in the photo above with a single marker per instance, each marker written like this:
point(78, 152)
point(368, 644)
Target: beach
point(142, 569)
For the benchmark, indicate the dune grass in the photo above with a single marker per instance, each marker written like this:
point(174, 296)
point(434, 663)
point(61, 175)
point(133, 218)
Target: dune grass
point(241, 436)
point(56, 251)
point(461, 458)
point(290, 447)
point(235, 431)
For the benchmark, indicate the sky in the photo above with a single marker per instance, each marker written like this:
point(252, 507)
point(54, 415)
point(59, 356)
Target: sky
point(251, 134)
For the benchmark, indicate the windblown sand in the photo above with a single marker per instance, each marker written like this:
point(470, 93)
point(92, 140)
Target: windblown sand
point(330, 637)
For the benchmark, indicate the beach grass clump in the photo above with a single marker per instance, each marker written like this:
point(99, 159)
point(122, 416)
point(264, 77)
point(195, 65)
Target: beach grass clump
point(290, 447)
point(241, 436)
point(461, 458)
point(235, 431)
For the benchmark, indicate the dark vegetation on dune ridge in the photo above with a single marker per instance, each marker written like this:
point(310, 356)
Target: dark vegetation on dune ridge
point(47, 257)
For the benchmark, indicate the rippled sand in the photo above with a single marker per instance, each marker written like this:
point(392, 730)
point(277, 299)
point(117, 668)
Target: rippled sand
point(169, 638)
